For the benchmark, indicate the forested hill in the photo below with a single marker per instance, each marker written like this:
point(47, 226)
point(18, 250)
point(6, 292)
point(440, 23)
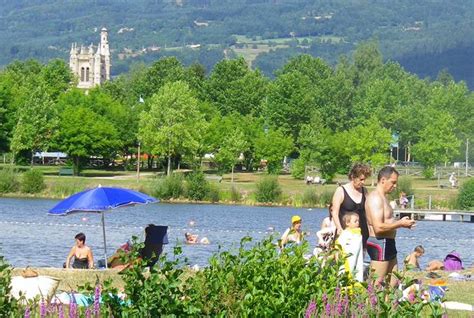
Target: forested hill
point(426, 36)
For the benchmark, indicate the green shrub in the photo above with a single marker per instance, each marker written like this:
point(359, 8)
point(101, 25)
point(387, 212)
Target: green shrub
point(404, 184)
point(428, 172)
point(197, 187)
point(255, 280)
point(325, 198)
point(466, 195)
point(268, 189)
point(298, 168)
point(32, 181)
point(8, 180)
point(8, 304)
point(169, 187)
point(310, 197)
point(213, 193)
point(235, 194)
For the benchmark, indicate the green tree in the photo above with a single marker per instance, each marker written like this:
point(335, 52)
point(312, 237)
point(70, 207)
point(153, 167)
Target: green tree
point(57, 77)
point(438, 142)
point(290, 102)
point(273, 146)
point(319, 146)
point(173, 125)
point(234, 88)
point(83, 133)
point(368, 142)
point(233, 145)
point(37, 119)
point(165, 70)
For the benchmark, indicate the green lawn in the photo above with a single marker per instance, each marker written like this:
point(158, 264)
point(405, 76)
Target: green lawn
point(292, 189)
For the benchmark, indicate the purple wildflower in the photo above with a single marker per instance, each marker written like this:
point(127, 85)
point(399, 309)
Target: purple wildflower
point(42, 309)
point(88, 313)
point(370, 288)
point(411, 297)
point(325, 298)
point(27, 312)
point(72, 309)
point(361, 306)
point(373, 300)
point(346, 303)
point(339, 308)
point(328, 310)
point(311, 309)
point(97, 301)
point(60, 311)
point(338, 293)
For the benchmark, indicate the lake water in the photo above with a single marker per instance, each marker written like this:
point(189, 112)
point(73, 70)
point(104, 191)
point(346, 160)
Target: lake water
point(29, 236)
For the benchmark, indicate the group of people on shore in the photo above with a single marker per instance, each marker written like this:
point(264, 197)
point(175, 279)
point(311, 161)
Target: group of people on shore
point(360, 222)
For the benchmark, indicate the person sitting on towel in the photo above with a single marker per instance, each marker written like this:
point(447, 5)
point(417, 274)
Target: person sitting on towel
point(81, 253)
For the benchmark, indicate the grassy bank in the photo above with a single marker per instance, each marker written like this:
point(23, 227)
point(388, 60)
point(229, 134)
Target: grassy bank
point(293, 190)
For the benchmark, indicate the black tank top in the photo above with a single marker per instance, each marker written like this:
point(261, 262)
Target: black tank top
point(348, 205)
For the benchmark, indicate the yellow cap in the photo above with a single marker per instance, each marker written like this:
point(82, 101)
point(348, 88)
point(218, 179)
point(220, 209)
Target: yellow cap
point(295, 218)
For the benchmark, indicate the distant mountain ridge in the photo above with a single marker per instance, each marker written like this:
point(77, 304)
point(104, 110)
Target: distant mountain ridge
point(266, 31)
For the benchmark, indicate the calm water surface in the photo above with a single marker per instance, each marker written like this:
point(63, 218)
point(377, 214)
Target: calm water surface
point(29, 236)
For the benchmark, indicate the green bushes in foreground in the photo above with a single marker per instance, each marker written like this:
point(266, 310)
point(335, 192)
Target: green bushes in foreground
point(253, 280)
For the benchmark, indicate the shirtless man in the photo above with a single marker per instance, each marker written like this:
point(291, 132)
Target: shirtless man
point(382, 226)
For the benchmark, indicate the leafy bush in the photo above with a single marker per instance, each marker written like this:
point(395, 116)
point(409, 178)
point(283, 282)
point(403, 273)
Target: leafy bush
point(235, 195)
point(197, 187)
point(298, 168)
point(268, 189)
point(8, 180)
point(376, 301)
point(32, 181)
point(213, 193)
point(310, 197)
point(169, 187)
point(404, 184)
point(466, 195)
point(428, 172)
point(259, 281)
point(7, 303)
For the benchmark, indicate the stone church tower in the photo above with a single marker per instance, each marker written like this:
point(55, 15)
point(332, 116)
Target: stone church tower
point(91, 65)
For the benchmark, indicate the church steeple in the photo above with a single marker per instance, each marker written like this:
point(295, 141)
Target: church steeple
point(91, 66)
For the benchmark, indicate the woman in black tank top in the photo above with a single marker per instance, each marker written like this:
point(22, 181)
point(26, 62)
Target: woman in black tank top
point(343, 202)
point(348, 205)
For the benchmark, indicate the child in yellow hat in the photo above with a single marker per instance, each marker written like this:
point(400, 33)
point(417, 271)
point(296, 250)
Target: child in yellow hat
point(294, 234)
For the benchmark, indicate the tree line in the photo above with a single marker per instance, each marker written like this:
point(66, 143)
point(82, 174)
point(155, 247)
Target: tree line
point(311, 112)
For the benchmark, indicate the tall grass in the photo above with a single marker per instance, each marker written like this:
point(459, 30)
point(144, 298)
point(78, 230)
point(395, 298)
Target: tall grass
point(268, 189)
point(310, 197)
point(9, 180)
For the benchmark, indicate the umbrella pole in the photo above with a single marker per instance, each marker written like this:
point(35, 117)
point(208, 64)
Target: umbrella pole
point(105, 241)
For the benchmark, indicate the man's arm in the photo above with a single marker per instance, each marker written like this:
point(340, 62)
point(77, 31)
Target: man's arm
point(375, 211)
point(337, 199)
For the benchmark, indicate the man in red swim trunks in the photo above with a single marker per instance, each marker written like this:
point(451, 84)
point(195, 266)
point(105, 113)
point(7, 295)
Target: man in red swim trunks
point(383, 227)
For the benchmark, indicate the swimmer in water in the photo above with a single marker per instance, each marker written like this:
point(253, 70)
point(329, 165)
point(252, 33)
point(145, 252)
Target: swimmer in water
point(194, 239)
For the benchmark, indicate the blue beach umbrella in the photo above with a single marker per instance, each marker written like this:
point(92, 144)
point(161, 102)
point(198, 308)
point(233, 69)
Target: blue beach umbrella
point(99, 200)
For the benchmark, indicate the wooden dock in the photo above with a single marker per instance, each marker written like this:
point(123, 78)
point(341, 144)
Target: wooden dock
point(436, 215)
